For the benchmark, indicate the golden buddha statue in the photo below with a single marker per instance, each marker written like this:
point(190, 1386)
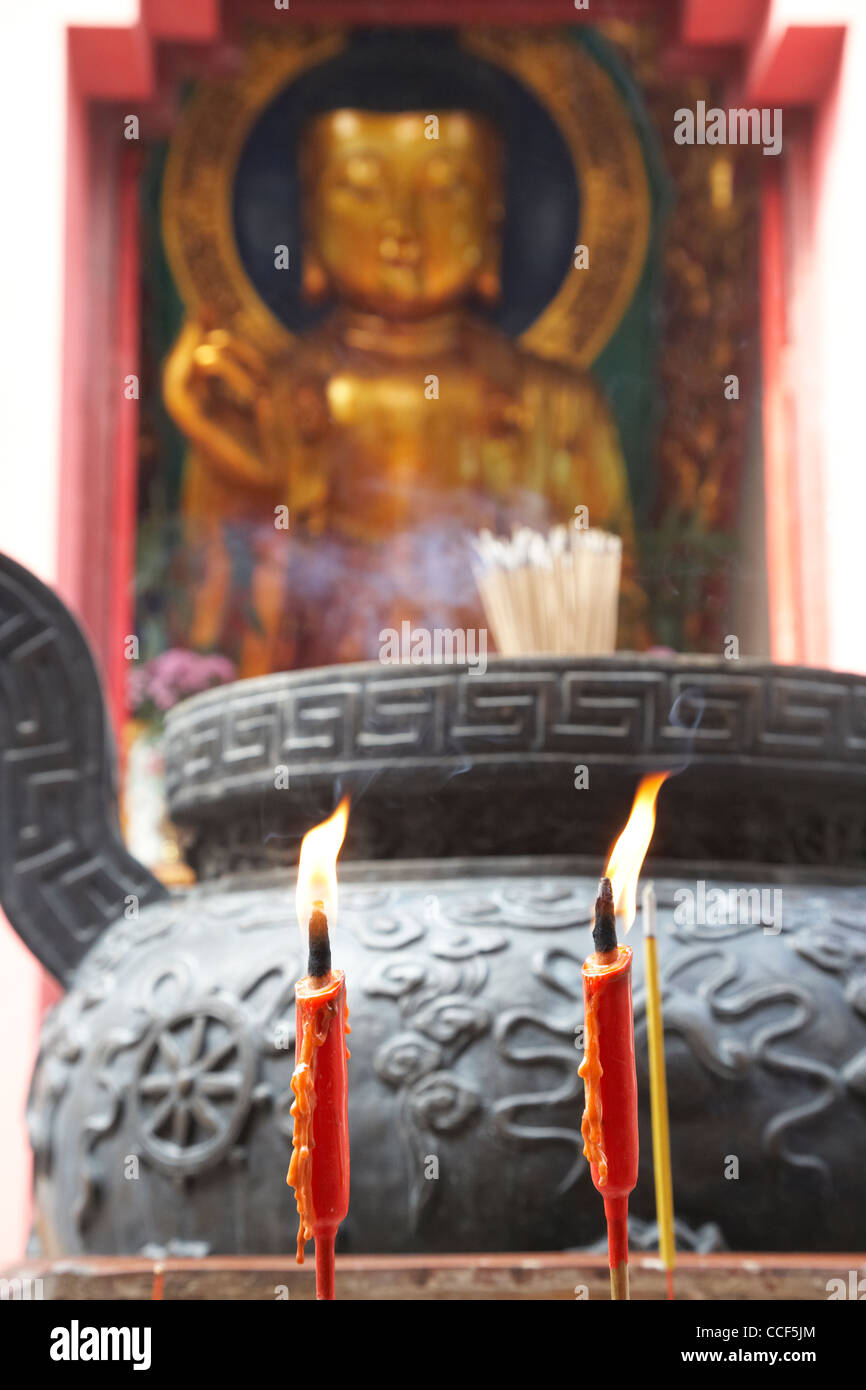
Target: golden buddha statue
point(399, 425)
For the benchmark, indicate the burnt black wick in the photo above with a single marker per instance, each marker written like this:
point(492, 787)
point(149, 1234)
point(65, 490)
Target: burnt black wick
point(604, 931)
point(319, 958)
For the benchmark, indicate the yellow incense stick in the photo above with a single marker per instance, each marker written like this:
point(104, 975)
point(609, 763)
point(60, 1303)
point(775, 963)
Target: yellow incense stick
point(658, 1091)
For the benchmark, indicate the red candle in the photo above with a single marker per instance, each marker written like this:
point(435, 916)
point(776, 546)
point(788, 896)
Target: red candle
point(319, 1168)
point(609, 1125)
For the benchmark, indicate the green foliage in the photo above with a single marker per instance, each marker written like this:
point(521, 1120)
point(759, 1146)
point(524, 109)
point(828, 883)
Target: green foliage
point(163, 600)
point(684, 569)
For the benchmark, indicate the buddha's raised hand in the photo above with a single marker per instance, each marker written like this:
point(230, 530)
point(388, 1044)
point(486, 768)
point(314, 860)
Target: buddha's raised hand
point(216, 389)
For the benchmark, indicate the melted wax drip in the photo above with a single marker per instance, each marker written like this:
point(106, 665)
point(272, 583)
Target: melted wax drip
point(300, 1175)
point(590, 1070)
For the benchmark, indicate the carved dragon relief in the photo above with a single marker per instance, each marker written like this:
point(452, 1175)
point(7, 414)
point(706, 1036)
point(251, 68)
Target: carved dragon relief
point(200, 1052)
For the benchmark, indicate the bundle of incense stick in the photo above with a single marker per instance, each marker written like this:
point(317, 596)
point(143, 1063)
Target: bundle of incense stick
point(556, 594)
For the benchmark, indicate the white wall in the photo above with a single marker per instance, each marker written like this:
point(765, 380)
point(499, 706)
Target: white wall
point(33, 126)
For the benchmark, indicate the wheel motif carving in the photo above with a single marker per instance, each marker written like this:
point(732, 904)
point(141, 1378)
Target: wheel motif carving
point(192, 1089)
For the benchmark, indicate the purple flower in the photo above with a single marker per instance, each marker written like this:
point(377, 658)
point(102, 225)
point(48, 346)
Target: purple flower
point(160, 683)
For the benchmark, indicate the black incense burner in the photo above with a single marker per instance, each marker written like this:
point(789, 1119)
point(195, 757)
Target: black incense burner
point(483, 809)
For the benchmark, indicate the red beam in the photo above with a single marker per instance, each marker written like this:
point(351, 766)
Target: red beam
point(794, 66)
point(125, 473)
point(732, 22)
point(410, 13)
point(782, 513)
point(182, 21)
point(111, 64)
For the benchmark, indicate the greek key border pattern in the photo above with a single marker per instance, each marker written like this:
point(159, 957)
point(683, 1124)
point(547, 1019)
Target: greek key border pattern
point(237, 736)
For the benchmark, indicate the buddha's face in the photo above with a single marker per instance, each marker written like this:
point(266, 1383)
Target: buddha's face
point(397, 222)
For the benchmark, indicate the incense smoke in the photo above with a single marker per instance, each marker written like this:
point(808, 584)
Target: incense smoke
point(691, 698)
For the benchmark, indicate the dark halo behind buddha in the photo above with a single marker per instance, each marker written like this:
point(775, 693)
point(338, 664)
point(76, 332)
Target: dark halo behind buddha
point(418, 70)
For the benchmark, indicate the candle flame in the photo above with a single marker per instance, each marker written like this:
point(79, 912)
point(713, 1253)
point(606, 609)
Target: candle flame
point(627, 856)
point(317, 867)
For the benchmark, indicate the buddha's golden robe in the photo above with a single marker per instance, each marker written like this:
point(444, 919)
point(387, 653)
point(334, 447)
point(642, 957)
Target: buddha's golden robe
point(390, 462)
